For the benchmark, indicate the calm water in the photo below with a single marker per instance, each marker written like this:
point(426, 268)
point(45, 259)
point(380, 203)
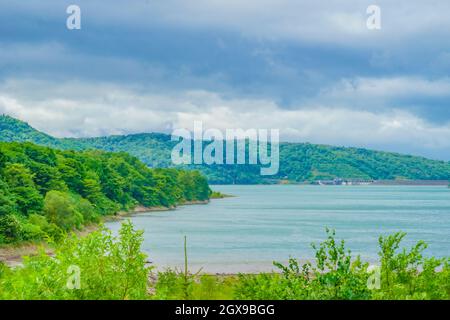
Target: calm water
point(265, 223)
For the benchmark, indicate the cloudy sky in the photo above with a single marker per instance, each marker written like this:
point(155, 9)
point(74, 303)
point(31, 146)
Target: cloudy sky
point(310, 68)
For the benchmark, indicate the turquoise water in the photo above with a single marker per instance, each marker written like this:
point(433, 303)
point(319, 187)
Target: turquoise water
point(265, 223)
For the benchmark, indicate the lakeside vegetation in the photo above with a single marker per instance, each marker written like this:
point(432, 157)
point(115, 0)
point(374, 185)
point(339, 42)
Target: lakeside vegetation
point(299, 162)
point(219, 195)
point(103, 266)
point(45, 193)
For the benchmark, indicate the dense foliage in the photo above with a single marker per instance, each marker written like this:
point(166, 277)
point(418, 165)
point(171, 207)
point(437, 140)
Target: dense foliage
point(336, 275)
point(46, 192)
point(103, 266)
point(299, 162)
point(99, 266)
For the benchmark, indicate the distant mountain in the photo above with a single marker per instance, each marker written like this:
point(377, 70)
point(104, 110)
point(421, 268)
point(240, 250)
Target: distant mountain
point(12, 129)
point(299, 162)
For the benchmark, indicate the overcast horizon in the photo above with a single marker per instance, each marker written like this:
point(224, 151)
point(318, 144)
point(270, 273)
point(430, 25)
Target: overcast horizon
point(312, 70)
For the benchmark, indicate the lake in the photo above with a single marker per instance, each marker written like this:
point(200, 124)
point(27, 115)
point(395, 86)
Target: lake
point(263, 223)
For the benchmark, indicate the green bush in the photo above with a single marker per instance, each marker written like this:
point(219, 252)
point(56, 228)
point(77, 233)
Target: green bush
point(85, 208)
point(59, 208)
point(10, 229)
point(403, 274)
point(52, 232)
point(173, 285)
point(115, 268)
point(407, 274)
point(104, 267)
point(32, 232)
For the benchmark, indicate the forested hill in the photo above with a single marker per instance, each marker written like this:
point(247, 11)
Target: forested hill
point(45, 192)
point(299, 162)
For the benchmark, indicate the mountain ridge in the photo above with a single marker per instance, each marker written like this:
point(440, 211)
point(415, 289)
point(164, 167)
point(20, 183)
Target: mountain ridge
point(299, 162)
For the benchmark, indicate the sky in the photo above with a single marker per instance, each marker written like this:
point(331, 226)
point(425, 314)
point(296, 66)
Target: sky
point(311, 69)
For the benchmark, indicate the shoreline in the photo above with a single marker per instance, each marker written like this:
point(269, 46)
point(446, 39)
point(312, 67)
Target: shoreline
point(120, 215)
point(12, 254)
point(419, 183)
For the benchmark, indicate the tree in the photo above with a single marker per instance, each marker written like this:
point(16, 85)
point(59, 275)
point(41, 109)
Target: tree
point(71, 172)
point(22, 187)
point(7, 203)
point(60, 210)
point(113, 185)
point(79, 186)
point(92, 188)
point(47, 178)
point(2, 159)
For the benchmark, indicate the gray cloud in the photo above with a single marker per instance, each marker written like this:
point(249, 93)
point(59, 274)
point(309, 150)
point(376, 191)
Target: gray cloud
point(309, 67)
point(81, 109)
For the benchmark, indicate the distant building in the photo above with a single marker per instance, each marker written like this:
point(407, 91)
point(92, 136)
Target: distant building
point(343, 182)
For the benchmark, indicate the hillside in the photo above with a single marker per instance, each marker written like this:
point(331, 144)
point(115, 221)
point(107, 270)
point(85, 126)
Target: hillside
point(45, 192)
point(299, 162)
point(12, 129)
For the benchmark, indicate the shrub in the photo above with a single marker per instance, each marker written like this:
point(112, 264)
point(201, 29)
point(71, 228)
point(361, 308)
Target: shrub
point(86, 209)
point(10, 229)
point(174, 285)
point(52, 232)
point(59, 209)
point(404, 274)
point(32, 232)
point(407, 274)
point(109, 268)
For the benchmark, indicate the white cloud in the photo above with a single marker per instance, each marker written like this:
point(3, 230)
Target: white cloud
point(76, 109)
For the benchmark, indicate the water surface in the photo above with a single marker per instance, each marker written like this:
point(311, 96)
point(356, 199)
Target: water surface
point(265, 223)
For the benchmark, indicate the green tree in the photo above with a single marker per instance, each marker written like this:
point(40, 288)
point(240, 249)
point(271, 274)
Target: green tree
point(60, 210)
point(7, 202)
point(21, 185)
point(80, 186)
point(92, 188)
point(3, 159)
point(47, 178)
point(71, 172)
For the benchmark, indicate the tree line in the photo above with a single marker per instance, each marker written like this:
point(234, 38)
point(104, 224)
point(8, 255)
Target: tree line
point(46, 192)
point(299, 162)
